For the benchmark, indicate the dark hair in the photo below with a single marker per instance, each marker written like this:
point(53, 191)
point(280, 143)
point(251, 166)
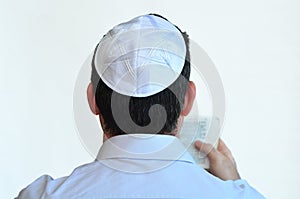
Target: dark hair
point(139, 106)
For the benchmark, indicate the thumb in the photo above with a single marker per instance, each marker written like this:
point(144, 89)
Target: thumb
point(206, 148)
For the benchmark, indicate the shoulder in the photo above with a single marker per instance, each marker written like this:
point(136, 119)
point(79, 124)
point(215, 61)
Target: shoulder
point(45, 185)
point(37, 188)
point(193, 181)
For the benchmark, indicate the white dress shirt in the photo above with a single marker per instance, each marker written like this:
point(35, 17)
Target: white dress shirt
point(139, 166)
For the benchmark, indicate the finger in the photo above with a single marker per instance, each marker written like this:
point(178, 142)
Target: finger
point(222, 148)
point(206, 148)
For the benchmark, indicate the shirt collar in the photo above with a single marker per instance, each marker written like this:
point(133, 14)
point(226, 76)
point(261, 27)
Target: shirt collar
point(141, 147)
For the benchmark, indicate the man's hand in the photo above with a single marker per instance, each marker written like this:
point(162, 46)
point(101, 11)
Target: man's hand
point(222, 164)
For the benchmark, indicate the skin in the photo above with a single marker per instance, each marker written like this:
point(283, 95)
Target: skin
point(222, 163)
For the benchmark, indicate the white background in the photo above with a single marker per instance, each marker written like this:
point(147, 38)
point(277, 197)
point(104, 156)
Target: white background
point(255, 46)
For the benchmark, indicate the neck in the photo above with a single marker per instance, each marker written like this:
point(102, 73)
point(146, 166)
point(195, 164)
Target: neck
point(175, 132)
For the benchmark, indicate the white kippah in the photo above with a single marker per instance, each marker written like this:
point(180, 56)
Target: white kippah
point(141, 57)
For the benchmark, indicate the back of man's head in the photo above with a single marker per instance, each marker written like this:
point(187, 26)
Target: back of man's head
point(171, 98)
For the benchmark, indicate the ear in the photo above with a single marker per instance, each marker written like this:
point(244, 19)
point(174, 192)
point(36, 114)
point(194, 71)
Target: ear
point(189, 99)
point(91, 99)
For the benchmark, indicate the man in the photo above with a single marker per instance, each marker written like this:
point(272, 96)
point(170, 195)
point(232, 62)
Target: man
point(140, 90)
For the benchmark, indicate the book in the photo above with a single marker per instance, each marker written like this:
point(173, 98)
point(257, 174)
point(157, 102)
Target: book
point(206, 129)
